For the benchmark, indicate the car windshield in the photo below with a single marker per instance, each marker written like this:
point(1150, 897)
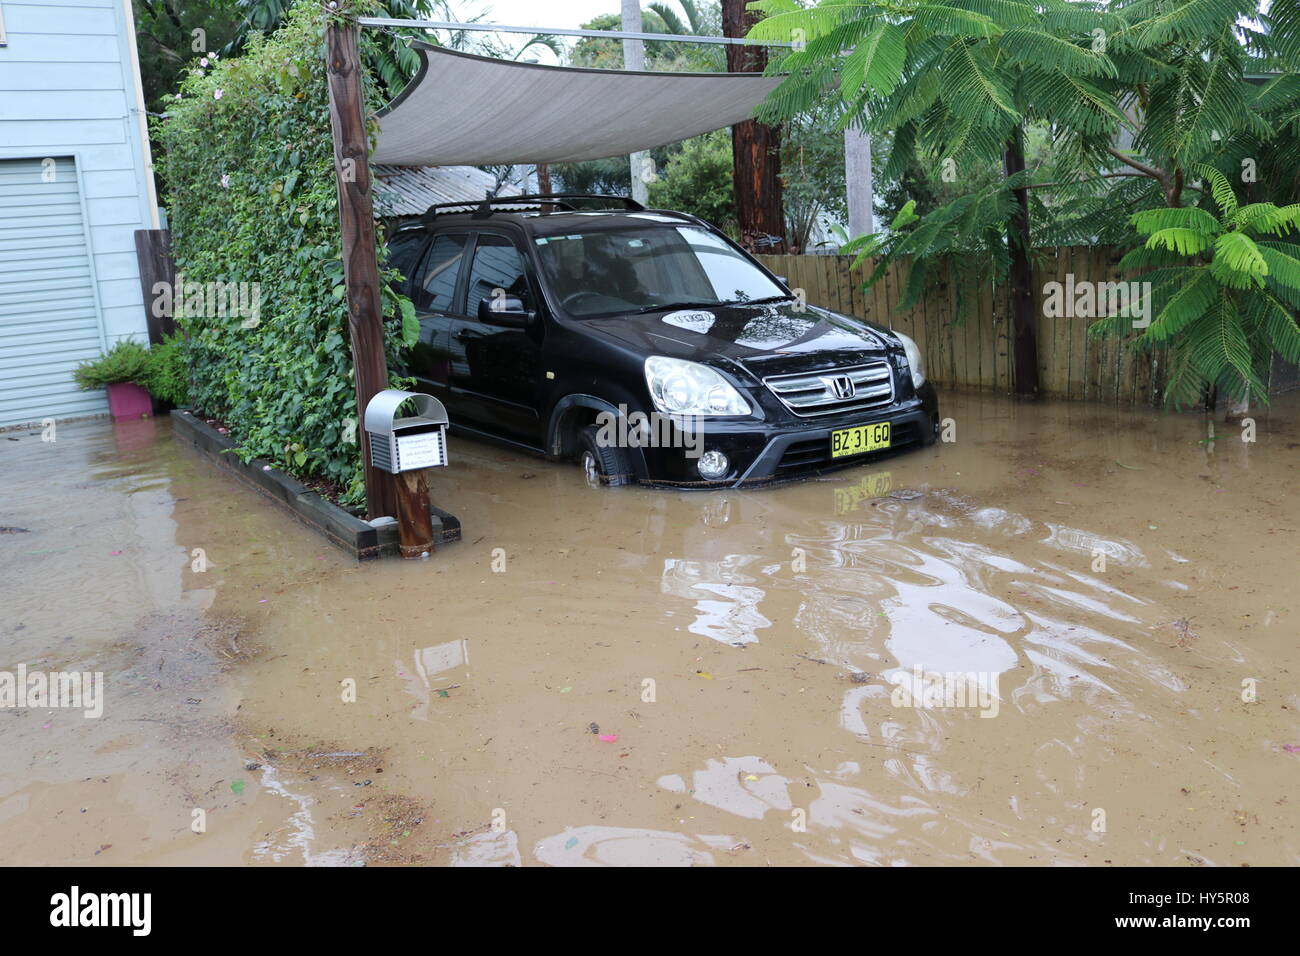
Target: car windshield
point(608, 272)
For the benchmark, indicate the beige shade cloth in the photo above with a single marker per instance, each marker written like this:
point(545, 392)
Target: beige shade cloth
point(480, 111)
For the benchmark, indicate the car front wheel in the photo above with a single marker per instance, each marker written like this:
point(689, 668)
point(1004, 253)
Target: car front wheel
point(603, 465)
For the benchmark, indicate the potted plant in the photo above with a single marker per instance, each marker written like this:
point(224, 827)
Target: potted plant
point(124, 372)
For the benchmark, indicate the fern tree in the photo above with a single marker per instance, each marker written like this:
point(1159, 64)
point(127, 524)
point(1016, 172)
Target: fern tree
point(958, 82)
point(1224, 289)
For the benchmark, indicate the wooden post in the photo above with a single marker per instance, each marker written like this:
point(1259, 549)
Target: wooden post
point(1024, 344)
point(414, 524)
point(357, 226)
point(154, 256)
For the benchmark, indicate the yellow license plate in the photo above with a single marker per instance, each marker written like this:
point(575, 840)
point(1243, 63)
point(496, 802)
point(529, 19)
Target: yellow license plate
point(859, 440)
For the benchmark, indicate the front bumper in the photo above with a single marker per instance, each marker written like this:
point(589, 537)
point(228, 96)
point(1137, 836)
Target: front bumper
point(772, 451)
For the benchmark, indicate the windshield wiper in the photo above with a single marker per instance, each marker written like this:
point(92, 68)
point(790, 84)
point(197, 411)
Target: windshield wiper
point(677, 305)
point(770, 299)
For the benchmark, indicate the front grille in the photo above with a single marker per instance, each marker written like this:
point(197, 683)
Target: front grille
point(808, 394)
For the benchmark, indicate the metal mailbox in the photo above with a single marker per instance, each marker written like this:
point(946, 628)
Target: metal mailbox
point(406, 444)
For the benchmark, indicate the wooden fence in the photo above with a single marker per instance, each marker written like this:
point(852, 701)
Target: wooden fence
point(976, 353)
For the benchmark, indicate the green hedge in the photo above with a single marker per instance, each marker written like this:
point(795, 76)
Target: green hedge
point(251, 196)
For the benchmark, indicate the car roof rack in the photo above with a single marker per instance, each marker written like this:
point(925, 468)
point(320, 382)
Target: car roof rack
point(483, 208)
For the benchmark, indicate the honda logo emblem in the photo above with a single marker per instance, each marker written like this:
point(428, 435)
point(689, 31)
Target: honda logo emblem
point(841, 386)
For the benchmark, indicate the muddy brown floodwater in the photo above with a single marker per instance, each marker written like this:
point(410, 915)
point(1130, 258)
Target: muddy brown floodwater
point(1068, 637)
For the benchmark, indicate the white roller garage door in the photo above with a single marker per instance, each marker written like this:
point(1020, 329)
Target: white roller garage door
point(48, 316)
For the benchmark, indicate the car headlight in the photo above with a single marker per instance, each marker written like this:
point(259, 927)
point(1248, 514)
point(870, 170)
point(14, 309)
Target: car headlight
point(914, 361)
point(679, 387)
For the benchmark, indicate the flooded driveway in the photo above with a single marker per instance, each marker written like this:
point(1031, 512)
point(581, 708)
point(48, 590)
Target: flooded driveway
point(1067, 637)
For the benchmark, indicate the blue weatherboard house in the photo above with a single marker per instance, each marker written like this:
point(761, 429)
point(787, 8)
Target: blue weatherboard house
point(76, 182)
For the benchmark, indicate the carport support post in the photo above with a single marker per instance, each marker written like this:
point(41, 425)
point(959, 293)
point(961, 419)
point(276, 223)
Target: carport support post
point(357, 227)
point(414, 523)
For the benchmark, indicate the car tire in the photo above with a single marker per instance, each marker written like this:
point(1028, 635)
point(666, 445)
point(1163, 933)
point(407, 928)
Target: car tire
point(603, 465)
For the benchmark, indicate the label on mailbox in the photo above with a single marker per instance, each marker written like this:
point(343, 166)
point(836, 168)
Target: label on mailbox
point(420, 451)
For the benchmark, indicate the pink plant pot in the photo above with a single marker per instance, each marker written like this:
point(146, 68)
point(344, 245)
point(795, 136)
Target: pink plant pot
point(127, 401)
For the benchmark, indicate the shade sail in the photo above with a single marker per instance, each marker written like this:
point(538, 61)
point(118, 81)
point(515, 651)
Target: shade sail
point(475, 110)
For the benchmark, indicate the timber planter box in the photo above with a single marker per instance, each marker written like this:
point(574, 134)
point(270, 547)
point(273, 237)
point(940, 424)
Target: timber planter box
point(344, 529)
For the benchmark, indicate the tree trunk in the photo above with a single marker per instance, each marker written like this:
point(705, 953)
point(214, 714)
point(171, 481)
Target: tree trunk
point(1023, 303)
point(543, 179)
point(755, 147)
point(357, 228)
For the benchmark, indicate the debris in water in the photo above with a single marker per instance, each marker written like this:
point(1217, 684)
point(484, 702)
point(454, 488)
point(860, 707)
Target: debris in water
point(340, 753)
point(1129, 467)
point(906, 494)
point(237, 787)
point(570, 843)
point(609, 738)
point(14, 531)
point(594, 727)
point(1291, 748)
point(860, 677)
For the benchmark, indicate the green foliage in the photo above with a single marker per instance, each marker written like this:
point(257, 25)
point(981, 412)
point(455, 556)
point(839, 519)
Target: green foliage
point(698, 180)
point(389, 60)
point(167, 44)
point(252, 198)
point(812, 173)
point(679, 17)
point(167, 376)
point(126, 361)
point(1148, 105)
point(1230, 305)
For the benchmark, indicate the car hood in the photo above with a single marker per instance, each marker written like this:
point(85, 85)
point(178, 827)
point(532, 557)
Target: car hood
point(766, 339)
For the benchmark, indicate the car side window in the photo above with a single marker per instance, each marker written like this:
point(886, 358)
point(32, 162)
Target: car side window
point(498, 264)
point(435, 281)
point(404, 251)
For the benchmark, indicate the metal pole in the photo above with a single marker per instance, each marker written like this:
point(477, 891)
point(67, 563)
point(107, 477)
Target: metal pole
point(634, 59)
point(858, 180)
point(558, 31)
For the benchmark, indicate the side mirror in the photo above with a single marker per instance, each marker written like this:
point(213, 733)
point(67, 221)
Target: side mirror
point(506, 311)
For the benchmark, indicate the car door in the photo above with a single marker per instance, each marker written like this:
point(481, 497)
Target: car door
point(494, 369)
point(433, 292)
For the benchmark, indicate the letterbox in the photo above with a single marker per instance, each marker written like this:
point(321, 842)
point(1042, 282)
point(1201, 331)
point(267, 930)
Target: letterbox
point(406, 444)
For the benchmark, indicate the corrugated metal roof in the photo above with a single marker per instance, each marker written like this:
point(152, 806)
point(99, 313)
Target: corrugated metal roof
point(410, 190)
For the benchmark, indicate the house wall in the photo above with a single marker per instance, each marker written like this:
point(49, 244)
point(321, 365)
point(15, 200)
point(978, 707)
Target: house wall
point(70, 88)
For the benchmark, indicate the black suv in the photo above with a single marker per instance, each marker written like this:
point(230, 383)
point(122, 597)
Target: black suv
point(646, 345)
